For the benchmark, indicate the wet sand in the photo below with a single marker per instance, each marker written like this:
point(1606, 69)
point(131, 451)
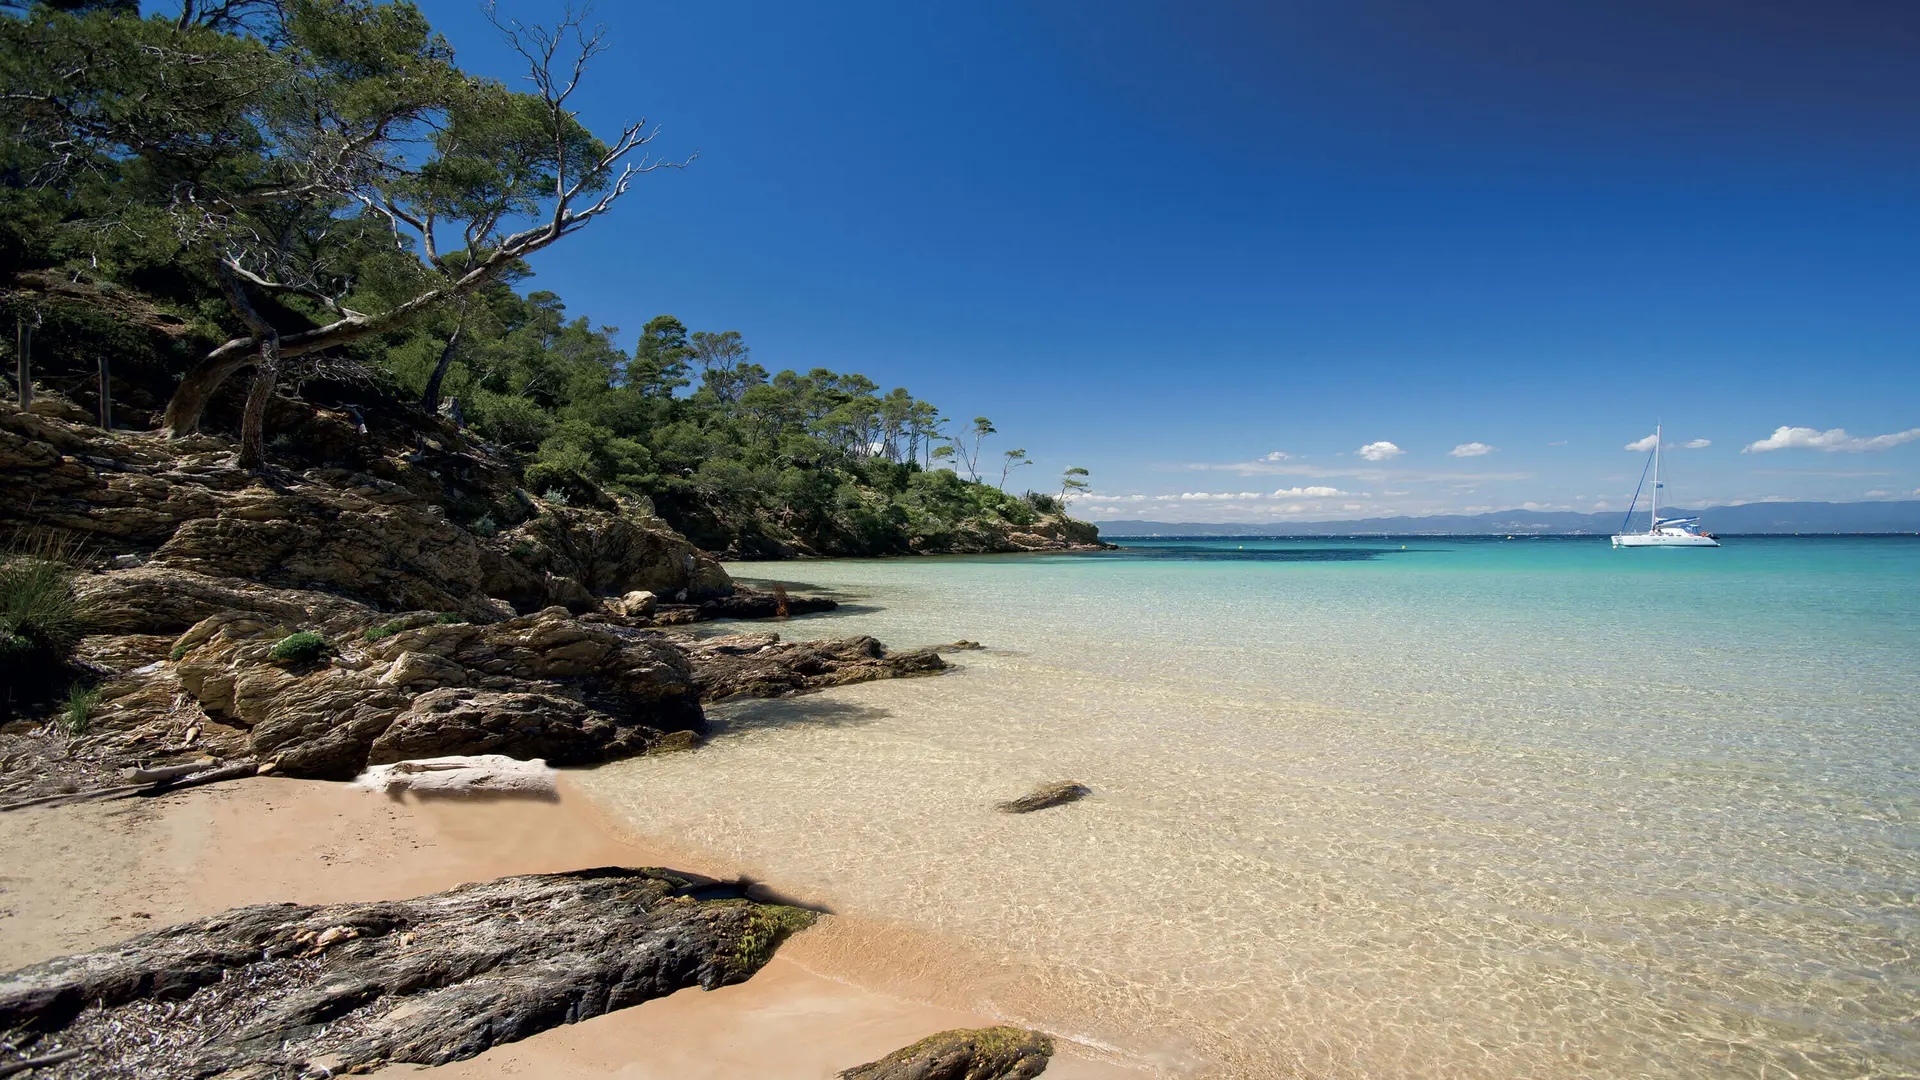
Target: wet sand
point(77, 877)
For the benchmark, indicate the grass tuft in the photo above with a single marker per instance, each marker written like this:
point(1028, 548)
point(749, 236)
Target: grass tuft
point(77, 714)
point(39, 613)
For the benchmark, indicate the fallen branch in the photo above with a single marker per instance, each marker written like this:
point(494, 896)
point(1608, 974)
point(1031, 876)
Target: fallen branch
point(165, 772)
point(235, 771)
point(8, 1068)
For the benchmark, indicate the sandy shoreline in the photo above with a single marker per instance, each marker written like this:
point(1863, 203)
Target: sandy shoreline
point(78, 877)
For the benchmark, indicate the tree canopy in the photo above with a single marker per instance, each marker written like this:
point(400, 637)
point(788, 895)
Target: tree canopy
point(307, 188)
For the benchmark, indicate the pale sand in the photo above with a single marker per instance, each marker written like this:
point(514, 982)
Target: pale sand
point(81, 876)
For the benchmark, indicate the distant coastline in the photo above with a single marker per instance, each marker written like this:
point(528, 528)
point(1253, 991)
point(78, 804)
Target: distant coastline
point(1780, 518)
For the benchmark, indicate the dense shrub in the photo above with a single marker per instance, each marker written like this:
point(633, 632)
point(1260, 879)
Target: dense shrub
point(303, 649)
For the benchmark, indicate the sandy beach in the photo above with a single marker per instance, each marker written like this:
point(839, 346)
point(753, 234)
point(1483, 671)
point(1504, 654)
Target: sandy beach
point(78, 877)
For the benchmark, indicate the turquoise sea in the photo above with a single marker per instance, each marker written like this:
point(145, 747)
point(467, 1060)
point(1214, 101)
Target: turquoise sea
point(1409, 807)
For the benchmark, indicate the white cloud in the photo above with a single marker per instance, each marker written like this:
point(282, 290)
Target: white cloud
point(1352, 506)
point(1472, 449)
point(1833, 440)
point(1308, 493)
point(1277, 455)
point(1699, 444)
point(1224, 496)
point(1642, 445)
point(1380, 451)
point(1558, 442)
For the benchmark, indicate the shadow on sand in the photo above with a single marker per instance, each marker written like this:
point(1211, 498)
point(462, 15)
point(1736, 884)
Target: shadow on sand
point(736, 717)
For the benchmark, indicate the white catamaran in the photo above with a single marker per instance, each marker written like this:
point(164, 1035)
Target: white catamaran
point(1661, 532)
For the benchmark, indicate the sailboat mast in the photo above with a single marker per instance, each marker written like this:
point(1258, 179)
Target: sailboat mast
point(1653, 514)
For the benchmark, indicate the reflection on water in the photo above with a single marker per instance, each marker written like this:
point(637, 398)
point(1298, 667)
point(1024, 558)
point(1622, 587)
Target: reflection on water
point(1498, 811)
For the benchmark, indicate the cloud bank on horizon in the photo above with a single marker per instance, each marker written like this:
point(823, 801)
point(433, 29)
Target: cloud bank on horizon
point(1833, 440)
point(1416, 482)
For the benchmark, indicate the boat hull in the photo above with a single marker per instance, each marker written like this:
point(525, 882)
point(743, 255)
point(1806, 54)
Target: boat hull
point(1663, 540)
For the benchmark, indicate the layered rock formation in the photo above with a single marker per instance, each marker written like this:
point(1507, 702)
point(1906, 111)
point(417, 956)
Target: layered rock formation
point(762, 665)
point(285, 990)
point(373, 520)
point(546, 685)
point(187, 667)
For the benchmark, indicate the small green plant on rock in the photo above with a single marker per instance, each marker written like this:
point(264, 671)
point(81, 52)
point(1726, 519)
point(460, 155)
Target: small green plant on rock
point(450, 618)
point(77, 715)
point(380, 633)
point(303, 649)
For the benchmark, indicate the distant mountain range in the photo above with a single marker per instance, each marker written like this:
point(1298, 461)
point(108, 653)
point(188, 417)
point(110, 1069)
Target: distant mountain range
point(1774, 517)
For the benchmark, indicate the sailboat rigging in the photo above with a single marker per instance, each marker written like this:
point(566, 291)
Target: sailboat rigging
point(1677, 532)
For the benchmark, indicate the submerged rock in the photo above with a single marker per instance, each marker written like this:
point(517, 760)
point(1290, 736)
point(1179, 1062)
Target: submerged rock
point(1041, 798)
point(762, 665)
point(284, 990)
point(995, 1053)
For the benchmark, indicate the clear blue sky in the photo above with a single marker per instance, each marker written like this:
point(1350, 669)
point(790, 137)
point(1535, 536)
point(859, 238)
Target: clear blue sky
point(1165, 241)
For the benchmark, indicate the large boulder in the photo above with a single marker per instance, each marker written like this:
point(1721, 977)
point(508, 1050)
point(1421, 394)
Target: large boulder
point(545, 685)
point(570, 555)
point(280, 991)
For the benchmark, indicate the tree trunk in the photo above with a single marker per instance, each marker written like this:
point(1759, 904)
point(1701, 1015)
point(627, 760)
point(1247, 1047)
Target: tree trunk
point(23, 343)
point(106, 395)
point(430, 400)
point(190, 398)
point(253, 450)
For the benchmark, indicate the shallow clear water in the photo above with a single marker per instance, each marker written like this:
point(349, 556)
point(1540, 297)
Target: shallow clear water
point(1373, 808)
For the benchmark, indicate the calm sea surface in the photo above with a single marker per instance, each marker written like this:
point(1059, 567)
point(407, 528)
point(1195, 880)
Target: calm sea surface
point(1418, 807)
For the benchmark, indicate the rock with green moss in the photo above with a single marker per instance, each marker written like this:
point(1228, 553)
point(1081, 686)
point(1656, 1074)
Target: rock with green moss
point(995, 1053)
point(285, 990)
point(303, 649)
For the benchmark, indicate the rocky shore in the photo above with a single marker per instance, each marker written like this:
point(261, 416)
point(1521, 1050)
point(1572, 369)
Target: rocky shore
point(400, 598)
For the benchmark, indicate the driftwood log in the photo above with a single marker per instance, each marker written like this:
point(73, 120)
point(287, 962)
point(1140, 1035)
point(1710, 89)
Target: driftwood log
point(168, 779)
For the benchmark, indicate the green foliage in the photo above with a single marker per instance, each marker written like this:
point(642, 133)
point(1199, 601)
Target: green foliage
point(302, 649)
point(39, 614)
point(449, 618)
point(77, 714)
point(380, 633)
point(747, 461)
point(311, 164)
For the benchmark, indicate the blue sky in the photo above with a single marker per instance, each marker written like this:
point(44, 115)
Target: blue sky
point(1165, 242)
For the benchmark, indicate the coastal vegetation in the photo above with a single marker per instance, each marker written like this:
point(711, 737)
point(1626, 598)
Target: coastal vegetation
point(314, 191)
